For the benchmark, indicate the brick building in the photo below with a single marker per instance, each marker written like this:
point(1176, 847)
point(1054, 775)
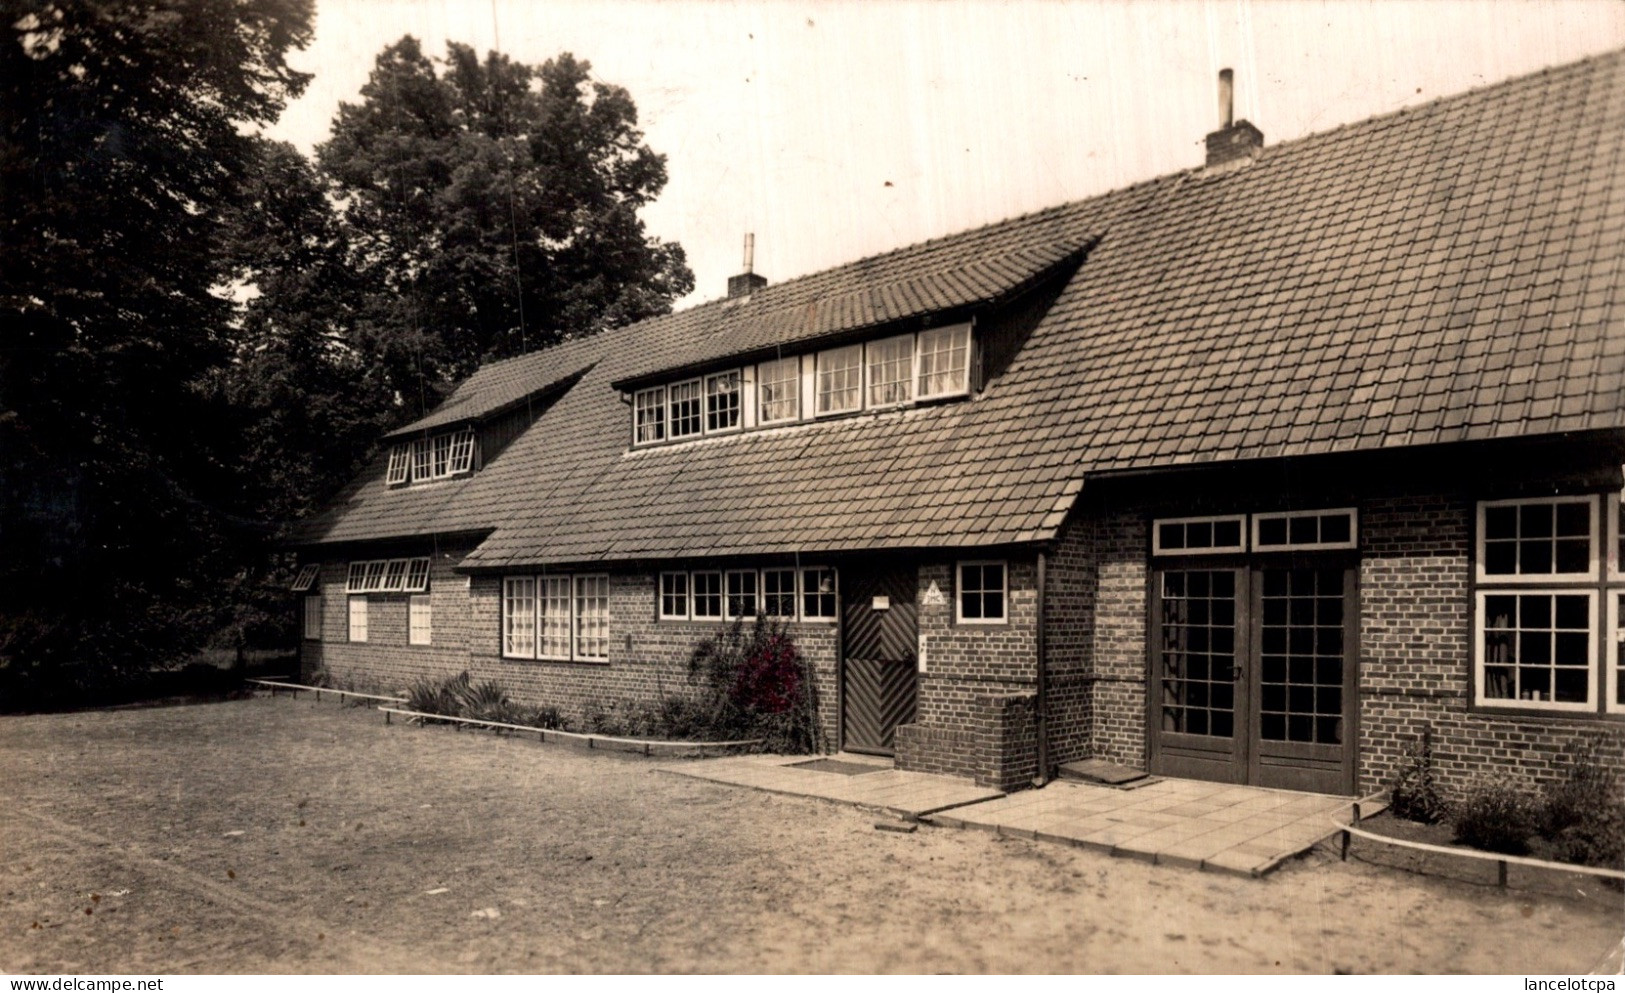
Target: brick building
point(1250, 473)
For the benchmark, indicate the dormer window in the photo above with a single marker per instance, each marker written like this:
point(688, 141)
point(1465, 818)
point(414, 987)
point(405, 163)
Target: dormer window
point(876, 375)
point(437, 456)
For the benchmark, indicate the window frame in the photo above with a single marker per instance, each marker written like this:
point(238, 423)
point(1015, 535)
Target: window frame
point(959, 592)
point(312, 631)
point(794, 593)
point(728, 594)
point(802, 594)
point(912, 361)
point(510, 625)
point(819, 394)
point(639, 409)
point(400, 465)
point(1591, 575)
point(394, 578)
point(417, 575)
point(1482, 700)
point(1260, 547)
point(964, 387)
point(1613, 534)
point(413, 604)
point(1239, 519)
point(737, 408)
point(366, 621)
point(546, 596)
point(695, 595)
point(306, 577)
point(793, 398)
point(1613, 654)
point(661, 596)
point(698, 400)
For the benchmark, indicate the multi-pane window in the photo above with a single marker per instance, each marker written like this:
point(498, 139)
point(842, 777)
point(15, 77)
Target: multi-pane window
point(441, 464)
point(1616, 651)
point(373, 581)
point(944, 361)
point(417, 575)
point(840, 379)
point(778, 390)
point(779, 592)
point(982, 592)
point(420, 459)
point(313, 618)
point(1196, 651)
point(742, 600)
point(707, 595)
point(890, 364)
point(1304, 530)
point(358, 618)
point(394, 576)
point(1538, 647)
point(388, 576)
point(722, 396)
point(553, 622)
point(649, 415)
point(1198, 535)
point(818, 594)
point(1530, 540)
point(306, 578)
point(399, 464)
point(674, 595)
point(519, 617)
point(1301, 655)
point(462, 452)
point(592, 617)
point(419, 621)
point(685, 419)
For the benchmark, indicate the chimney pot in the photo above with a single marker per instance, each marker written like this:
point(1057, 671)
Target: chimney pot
point(1235, 141)
point(747, 282)
point(1227, 98)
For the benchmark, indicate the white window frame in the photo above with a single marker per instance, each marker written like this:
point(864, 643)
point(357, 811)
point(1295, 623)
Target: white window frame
point(802, 593)
point(959, 591)
point(738, 408)
point(1616, 568)
point(792, 396)
point(514, 627)
point(661, 596)
point(640, 408)
point(548, 624)
point(1544, 578)
point(580, 618)
point(358, 631)
point(1614, 654)
point(1240, 520)
point(400, 464)
point(821, 372)
point(417, 575)
point(462, 452)
point(355, 577)
point(794, 592)
point(694, 595)
point(306, 577)
point(1482, 699)
point(394, 579)
point(727, 593)
point(1290, 515)
point(907, 379)
point(312, 616)
point(421, 459)
point(419, 619)
point(962, 388)
point(373, 581)
point(671, 408)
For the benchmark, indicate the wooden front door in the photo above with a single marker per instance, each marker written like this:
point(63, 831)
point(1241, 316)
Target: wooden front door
point(879, 642)
point(1253, 673)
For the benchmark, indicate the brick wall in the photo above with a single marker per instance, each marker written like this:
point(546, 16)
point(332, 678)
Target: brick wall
point(1070, 579)
point(1118, 731)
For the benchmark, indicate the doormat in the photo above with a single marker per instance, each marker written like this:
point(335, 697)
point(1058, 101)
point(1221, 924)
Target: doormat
point(839, 767)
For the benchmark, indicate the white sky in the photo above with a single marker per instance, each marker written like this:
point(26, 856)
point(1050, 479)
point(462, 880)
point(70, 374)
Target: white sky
point(838, 129)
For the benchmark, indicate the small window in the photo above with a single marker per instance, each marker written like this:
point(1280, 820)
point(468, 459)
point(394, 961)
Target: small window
point(519, 617)
point(1199, 535)
point(421, 460)
point(417, 575)
point(313, 618)
point(441, 466)
point(419, 617)
point(778, 391)
point(306, 578)
point(373, 582)
point(890, 371)
point(399, 463)
point(1305, 530)
point(1536, 648)
point(742, 598)
point(779, 593)
point(818, 594)
point(982, 592)
point(592, 617)
point(358, 618)
point(674, 596)
point(1616, 537)
point(722, 393)
point(1535, 540)
point(944, 363)
point(553, 640)
point(707, 595)
point(394, 576)
point(356, 580)
point(684, 420)
point(462, 451)
point(840, 379)
point(1616, 652)
point(649, 415)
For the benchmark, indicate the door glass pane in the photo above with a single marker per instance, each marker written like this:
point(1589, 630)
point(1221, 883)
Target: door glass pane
point(1301, 661)
point(1197, 654)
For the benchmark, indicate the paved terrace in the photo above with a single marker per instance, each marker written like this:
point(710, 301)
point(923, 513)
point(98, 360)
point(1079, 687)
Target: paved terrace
point(1238, 829)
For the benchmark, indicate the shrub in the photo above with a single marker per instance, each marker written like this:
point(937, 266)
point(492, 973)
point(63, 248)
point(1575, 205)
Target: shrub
point(1583, 819)
point(1496, 817)
point(1415, 793)
point(549, 718)
point(438, 696)
point(754, 684)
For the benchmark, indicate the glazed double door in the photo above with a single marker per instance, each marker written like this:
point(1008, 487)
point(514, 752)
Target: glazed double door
point(1253, 674)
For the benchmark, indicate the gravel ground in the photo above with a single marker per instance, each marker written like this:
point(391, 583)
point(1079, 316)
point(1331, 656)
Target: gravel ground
point(271, 835)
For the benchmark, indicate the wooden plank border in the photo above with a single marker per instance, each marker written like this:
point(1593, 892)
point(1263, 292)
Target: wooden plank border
point(1502, 860)
point(645, 746)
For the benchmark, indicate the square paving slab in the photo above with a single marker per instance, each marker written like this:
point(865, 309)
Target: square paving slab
point(906, 794)
point(1238, 829)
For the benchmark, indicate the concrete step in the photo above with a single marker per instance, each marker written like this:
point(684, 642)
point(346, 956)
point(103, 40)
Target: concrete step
point(1100, 772)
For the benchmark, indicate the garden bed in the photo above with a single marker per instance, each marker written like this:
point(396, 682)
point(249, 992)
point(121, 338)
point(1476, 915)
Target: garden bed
point(643, 746)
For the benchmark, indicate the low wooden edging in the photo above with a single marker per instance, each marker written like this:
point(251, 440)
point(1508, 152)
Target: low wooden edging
point(643, 746)
point(1502, 861)
point(274, 685)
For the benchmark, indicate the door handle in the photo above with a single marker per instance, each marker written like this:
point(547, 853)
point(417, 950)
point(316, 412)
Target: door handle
point(1235, 673)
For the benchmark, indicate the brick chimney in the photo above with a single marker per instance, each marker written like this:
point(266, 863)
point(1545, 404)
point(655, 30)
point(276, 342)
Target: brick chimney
point(1235, 140)
point(747, 282)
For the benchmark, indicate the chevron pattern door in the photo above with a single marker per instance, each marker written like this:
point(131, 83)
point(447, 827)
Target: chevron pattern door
point(880, 637)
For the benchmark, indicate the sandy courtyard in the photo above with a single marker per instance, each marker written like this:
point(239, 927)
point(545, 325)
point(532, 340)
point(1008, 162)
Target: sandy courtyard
point(272, 835)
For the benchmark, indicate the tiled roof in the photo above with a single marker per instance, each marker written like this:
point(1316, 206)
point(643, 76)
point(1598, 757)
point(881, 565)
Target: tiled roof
point(1448, 273)
point(499, 386)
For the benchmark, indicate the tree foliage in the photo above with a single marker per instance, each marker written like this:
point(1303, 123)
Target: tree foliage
point(123, 136)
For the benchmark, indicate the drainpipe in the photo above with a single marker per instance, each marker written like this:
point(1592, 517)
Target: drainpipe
point(1041, 701)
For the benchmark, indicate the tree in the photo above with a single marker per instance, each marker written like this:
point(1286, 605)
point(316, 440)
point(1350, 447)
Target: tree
point(494, 206)
point(123, 135)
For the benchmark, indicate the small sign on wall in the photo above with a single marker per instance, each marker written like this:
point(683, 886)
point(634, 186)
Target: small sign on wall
point(932, 597)
point(880, 603)
point(921, 654)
